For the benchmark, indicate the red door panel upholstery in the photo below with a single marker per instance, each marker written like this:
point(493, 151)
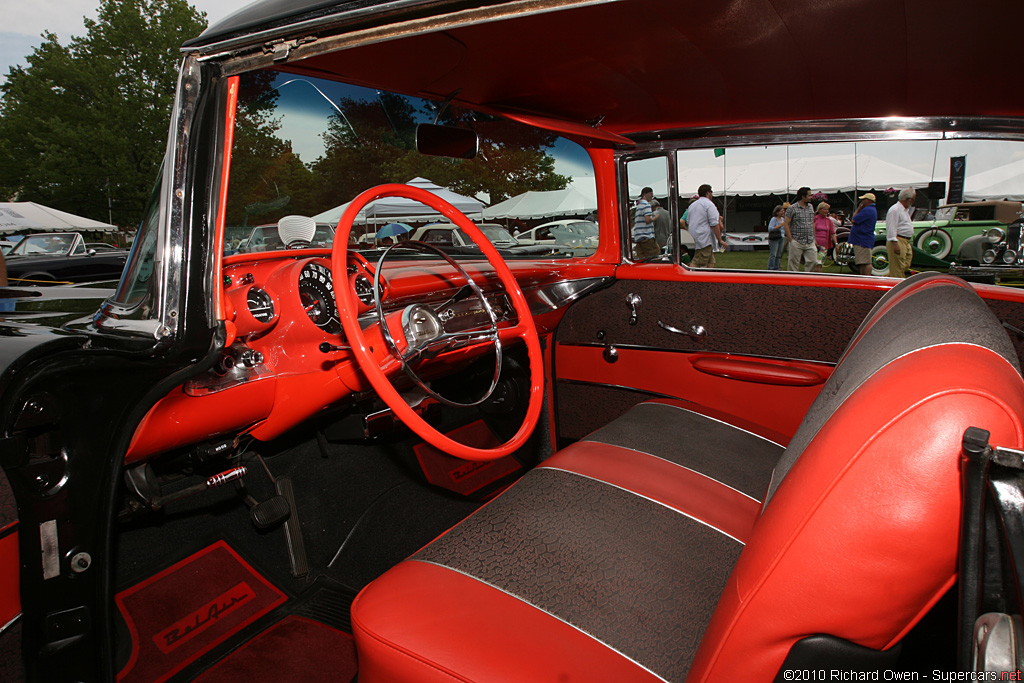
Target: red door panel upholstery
point(764, 356)
point(592, 392)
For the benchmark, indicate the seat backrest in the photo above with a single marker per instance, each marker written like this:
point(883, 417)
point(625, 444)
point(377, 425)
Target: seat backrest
point(858, 535)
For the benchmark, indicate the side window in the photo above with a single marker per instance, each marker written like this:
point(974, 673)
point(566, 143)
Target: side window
point(79, 249)
point(648, 224)
point(825, 207)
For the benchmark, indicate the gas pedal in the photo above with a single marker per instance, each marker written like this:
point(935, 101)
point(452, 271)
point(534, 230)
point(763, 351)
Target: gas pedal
point(293, 530)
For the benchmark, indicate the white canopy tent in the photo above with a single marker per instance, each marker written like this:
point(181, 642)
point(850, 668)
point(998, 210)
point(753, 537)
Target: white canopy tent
point(829, 174)
point(530, 205)
point(19, 216)
point(1003, 182)
point(387, 209)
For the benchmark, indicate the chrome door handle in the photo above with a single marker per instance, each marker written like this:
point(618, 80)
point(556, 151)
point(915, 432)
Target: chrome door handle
point(698, 333)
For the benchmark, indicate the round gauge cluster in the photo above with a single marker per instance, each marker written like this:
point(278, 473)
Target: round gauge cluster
point(260, 304)
point(316, 292)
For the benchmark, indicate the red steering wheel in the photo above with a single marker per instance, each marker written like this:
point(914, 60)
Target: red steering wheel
point(377, 362)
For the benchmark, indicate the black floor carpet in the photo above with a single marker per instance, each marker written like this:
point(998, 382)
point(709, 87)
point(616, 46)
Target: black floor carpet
point(362, 508)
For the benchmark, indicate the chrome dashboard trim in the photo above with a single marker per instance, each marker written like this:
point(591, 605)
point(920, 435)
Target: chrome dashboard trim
point(551, 297)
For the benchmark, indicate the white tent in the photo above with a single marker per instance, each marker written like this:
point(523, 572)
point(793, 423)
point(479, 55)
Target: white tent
point(567, 202)
point(1003, 182)
point(384, 210)
point(829, 174)
point(16, 216)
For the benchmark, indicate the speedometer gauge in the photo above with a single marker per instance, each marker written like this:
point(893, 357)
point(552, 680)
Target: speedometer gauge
point(316, 292)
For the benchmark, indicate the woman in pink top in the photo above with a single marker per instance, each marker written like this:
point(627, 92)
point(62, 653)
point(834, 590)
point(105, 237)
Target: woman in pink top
point(824, 232)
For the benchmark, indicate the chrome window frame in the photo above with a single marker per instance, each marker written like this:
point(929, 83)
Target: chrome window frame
point(173, 226)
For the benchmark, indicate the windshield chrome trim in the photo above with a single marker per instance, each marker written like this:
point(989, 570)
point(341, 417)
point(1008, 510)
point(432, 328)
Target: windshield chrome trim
point(167, 263)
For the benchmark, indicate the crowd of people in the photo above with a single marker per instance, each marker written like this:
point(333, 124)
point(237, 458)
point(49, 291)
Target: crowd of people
point(807, 230)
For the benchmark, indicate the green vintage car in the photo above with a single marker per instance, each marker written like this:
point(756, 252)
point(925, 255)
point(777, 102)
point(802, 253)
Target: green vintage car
point(938, 234)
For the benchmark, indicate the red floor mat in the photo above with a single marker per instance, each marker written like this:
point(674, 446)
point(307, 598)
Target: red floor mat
point(294, 649)
point(464, 476)
point(177, 615)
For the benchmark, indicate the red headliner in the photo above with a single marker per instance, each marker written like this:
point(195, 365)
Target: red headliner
point(663, 64)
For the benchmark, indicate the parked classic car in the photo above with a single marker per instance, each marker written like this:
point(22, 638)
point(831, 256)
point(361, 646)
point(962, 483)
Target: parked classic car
point(453, 240)
point(47, 258)
point(941, 236)
point(992, 256)
point(301, 464)
point(577, 237)
point(266, 238)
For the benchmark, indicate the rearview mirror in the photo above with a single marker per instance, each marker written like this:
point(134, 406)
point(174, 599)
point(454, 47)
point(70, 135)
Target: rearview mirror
point(446, 141)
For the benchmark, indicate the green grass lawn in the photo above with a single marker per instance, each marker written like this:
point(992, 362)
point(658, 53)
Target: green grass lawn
point(758, 260)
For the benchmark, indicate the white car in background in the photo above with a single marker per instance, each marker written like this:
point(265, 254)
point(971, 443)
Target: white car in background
point(452, 240)
point(579, 236)
point(447, 235)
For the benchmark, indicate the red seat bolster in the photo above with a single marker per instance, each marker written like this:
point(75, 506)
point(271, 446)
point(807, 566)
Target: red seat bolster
point(876, 545)
point(692, 493)
point(447, 622)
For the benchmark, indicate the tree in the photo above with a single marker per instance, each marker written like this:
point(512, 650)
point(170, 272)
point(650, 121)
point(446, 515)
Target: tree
point(83, 128)
point(374, 143)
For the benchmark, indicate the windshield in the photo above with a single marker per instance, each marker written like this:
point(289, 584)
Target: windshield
point(583, 228)
point(306, 146)
point(43, 244)
point(497, 234)
point(136, 280)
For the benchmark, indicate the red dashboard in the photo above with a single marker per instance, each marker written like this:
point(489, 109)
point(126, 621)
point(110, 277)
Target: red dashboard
point(286, 359)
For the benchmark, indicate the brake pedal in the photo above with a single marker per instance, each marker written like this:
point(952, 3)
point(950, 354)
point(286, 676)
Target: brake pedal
point(292, 529)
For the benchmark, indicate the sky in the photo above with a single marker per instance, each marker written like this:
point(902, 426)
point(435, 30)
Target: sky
point(25, 21)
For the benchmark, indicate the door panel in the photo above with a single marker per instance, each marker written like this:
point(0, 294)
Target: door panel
point(765, 351)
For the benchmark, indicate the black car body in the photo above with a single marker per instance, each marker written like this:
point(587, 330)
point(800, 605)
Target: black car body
point(64, 257)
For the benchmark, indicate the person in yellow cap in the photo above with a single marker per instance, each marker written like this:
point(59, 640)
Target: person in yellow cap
point(862, 234)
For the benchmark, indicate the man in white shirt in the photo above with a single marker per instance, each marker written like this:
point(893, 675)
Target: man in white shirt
point(705, 225)
point(899, 233)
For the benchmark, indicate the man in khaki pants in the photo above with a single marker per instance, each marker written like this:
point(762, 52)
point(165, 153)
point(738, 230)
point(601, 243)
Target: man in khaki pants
point(899, 233)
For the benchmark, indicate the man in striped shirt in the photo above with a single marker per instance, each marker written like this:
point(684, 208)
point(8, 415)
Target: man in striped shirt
point(644, 244)
point(799, 226)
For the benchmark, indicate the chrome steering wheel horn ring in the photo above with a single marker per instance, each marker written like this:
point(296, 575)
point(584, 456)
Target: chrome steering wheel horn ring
point(443, 339)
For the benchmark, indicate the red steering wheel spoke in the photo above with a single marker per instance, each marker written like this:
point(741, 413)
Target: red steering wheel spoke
point(415, 334)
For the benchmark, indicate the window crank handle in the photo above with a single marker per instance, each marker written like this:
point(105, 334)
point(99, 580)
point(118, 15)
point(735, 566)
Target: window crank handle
point(633, 300)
